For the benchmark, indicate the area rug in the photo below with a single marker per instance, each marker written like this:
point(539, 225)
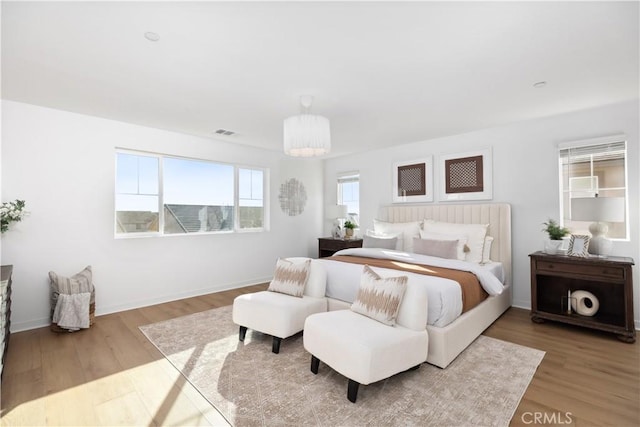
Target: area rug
point(249, 385)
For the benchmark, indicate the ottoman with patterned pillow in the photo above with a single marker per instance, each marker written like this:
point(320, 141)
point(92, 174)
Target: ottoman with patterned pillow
point(296, 292)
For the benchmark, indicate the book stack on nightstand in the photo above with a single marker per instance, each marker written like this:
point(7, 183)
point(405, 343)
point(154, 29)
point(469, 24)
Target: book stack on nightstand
point(328, 246)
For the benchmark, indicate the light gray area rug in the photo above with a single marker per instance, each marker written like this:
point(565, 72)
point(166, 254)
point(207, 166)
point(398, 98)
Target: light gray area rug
point(250, 385)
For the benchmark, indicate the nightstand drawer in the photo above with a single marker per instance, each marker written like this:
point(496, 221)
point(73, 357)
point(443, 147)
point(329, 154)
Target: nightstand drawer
point(327, 246)
point(336, 245)
point(583, 270)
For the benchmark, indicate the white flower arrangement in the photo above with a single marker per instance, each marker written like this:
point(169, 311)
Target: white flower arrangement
point(11, 212)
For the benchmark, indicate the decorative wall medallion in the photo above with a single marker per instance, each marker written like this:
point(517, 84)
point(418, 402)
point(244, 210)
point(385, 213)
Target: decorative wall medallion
point(292, 197)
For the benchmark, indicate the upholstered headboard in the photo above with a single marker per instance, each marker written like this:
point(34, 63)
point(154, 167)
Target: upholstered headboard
point(497, 215)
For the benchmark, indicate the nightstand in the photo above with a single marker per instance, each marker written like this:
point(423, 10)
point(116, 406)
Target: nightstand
point(328, 246)
point(608, 279)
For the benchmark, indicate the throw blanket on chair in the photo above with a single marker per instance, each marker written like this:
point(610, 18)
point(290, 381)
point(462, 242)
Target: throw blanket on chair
point(72, 301)
point(72, 311)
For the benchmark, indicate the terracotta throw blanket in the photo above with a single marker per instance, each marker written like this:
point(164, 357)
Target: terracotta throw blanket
point(472, 291)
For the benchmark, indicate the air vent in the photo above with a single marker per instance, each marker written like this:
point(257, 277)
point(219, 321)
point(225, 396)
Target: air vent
point(224, 132)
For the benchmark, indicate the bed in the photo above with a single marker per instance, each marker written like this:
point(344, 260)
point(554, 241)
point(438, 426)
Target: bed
point(449, 331)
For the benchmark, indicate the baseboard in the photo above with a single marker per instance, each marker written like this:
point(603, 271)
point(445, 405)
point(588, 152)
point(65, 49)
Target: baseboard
point(100, 311)
point(521, 304)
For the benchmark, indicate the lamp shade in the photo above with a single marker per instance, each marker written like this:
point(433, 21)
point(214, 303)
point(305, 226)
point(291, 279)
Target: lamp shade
point(336, 211)
point(606, 209)
point(307, 135)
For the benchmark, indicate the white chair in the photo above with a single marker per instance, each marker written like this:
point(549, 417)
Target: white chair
point(281, 315)
point(365, 350)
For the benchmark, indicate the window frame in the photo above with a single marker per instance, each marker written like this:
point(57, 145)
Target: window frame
point(161, 216)
point(612, 139)
point(344, 178)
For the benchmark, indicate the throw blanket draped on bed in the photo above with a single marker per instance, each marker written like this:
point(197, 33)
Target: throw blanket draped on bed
point(472, 292)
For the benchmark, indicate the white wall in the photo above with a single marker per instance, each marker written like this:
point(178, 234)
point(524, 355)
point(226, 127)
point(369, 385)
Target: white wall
point(63, 165)
point(525, 175)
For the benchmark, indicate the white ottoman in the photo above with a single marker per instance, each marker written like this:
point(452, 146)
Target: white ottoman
point(365, 350)
point(281, 315)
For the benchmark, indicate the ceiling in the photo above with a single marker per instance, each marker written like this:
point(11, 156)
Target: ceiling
point(384, 73)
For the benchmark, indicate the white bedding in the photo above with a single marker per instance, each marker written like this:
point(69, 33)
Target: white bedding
point(444, 295)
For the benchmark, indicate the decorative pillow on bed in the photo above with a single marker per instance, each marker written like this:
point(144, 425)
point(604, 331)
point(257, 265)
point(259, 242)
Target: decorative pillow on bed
point(475, 234)
point(486, 252)
point(441, 248)
point(382, 242)
point(461, 242)
point(379, 298)
point(290, 278)
point(398, 239)
point(408, 230)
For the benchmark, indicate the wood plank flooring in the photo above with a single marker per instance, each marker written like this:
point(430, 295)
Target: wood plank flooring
point(111, 374)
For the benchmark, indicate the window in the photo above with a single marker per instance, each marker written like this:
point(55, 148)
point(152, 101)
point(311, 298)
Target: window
point(595, 168)
point(137, 193)
point(250, 198)
point(169, 195)
point(349, 193)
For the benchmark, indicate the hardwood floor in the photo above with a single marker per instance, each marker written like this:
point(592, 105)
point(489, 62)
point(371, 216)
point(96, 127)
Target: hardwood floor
point(111, 374)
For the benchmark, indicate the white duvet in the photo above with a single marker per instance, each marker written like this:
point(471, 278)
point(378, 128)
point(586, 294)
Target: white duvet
point(444, 295)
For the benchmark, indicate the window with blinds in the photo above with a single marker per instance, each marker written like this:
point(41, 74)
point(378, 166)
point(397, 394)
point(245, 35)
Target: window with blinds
point(349, 193)
point(595, 168)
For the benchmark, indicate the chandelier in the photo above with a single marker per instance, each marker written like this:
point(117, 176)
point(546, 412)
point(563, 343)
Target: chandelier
point(306, 135)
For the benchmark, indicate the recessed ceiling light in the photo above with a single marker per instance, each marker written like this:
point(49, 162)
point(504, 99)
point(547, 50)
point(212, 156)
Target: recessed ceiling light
point(151, 36)
point(538, 85)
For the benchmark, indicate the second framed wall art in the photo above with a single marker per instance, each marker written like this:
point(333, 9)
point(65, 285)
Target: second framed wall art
point(466, 176)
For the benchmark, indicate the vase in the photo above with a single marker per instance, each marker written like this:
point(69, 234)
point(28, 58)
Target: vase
point(552, 247)
point(348, 233)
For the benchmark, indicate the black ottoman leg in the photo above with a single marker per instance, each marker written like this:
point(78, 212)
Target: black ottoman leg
point(242, 333)
point(352, 390)
point(275, 347)
point(315, 363)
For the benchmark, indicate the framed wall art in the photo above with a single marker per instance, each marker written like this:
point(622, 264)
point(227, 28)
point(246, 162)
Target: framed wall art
point(466, 176)
point(413, 181)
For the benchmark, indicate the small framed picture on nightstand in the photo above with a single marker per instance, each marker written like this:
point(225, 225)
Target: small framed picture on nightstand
point(578, 245)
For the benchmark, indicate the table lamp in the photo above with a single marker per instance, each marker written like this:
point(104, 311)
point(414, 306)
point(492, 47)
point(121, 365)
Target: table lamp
point(600, 210)
point(337, 213)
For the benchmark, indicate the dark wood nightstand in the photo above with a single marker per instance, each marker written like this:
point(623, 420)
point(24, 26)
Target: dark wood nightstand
point(608, 279)
point(328, 246)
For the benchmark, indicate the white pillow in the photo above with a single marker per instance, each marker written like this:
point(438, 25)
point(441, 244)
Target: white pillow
point(379, 242)
point(398, 236)
point(409, 230)
point(475, 235)
point(486, 252)
point(462, 247)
